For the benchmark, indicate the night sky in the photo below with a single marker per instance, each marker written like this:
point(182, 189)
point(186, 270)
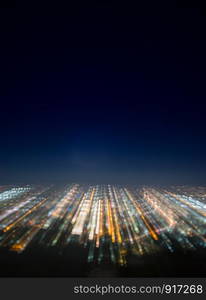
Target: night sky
point(103, 93)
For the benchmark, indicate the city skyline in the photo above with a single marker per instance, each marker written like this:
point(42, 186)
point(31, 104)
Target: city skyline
point(111, 223)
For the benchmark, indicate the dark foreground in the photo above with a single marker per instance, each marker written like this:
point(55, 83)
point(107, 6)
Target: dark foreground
point(41, 262)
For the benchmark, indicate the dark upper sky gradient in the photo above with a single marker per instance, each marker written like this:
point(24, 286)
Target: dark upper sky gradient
point(104, 92)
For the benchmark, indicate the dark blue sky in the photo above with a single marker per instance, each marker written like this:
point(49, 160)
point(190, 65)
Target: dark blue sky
point(104, 93)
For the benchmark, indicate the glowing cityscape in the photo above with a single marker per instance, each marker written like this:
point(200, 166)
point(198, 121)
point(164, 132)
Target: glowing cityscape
point(109, 221)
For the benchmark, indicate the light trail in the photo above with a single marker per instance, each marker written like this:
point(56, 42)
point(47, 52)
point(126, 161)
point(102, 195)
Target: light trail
point(110, 222)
